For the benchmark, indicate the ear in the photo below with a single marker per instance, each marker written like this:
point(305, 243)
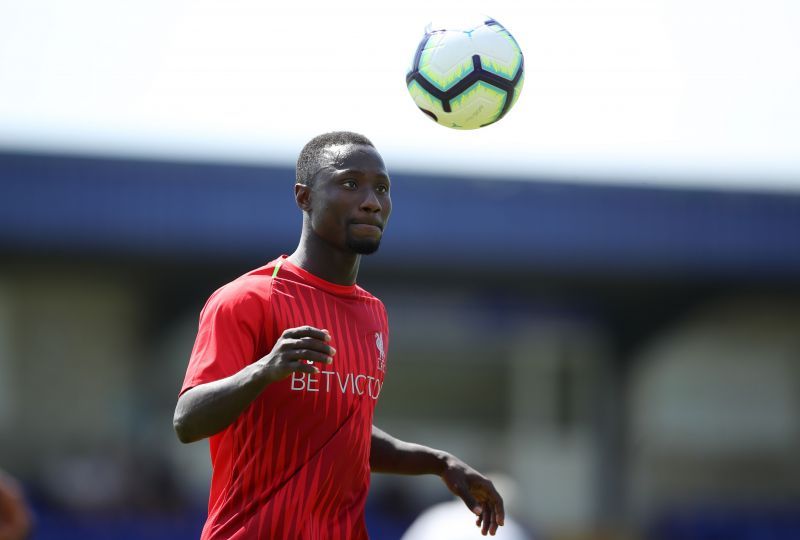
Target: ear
point(302, 195)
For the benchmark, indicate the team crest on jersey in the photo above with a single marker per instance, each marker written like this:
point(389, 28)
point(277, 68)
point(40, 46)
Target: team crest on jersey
point(381, 351)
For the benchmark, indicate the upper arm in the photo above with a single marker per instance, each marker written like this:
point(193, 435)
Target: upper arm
point(230, 335)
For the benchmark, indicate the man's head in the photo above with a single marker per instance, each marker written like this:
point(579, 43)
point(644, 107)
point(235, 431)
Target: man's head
point(343, 189)
point(313, 155)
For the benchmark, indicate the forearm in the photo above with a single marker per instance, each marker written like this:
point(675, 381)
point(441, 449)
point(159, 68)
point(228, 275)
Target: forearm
point(391, 455)
point(209, 408)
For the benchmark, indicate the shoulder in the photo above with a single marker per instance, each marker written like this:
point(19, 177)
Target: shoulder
point(375, 309)
point(250, 290)
point(372, 300)
point(367, 296)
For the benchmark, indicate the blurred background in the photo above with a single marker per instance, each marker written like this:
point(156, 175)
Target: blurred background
point(598, 297)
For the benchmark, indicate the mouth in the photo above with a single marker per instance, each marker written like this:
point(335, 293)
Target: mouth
point(367, 224)
point(366, 228)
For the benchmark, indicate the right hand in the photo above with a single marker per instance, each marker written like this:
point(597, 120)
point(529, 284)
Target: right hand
point(296, 350)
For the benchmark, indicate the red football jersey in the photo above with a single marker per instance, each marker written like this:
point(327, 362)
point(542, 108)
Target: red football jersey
point(295, 464)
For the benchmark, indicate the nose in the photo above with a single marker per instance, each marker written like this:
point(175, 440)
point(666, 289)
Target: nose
point(371, 203)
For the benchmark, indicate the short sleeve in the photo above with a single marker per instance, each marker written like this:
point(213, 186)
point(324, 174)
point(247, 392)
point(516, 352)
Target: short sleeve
point(228, 336)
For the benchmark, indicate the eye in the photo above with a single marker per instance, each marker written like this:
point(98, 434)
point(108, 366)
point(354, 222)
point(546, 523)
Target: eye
point(350, 184)
point(382, 188)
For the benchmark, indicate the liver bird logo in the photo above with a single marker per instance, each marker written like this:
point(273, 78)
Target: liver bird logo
point(381, 351)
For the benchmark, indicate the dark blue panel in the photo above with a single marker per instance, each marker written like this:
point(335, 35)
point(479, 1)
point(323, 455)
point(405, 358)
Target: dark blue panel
point(147, 207)
point(157, 208)
point(613, 227)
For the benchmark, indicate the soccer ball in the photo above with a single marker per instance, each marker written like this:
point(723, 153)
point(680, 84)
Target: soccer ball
point(467, 77)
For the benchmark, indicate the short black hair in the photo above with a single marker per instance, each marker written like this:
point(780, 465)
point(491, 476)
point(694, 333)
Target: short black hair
point(309, 162)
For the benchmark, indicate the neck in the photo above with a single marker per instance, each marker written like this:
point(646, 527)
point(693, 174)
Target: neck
point(324, 261)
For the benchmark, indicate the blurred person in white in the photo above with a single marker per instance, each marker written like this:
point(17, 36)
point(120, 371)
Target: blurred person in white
point(445, 521)
point(15, 521)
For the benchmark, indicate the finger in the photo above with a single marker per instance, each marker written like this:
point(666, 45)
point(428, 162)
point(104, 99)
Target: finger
point(307, 354)
point(494, 525)
point(487, 520)
point(469, 500)
point(499, 508)
point(307, 331)
point(308, 343)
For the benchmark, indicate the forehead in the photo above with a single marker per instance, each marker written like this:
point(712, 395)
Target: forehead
point(352, 157)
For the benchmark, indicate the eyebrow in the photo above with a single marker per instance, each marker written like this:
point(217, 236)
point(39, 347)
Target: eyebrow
point(359, 171)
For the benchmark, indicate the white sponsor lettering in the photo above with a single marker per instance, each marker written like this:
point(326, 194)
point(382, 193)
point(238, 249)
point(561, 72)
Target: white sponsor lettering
point(356, 384)
point(359, 391)
point(374, 388)
point(328, 379)
point(314, 381)
point(346, 379)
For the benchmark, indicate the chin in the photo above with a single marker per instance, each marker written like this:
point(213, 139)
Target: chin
point(363, 247)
